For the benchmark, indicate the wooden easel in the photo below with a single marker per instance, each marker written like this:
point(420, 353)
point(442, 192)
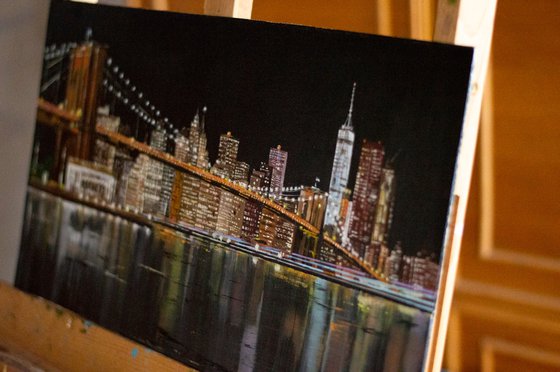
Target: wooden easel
point(61, 339)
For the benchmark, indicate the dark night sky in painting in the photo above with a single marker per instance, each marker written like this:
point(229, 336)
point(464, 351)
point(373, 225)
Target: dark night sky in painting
point(274, 84)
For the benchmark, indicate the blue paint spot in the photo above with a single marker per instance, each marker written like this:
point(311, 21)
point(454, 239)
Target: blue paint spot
point(87, 323)
point(134, 352)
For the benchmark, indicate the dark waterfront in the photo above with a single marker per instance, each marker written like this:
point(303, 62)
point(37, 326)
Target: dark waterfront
point(206, 304)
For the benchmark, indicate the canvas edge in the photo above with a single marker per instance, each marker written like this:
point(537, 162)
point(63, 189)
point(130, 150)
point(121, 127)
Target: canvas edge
point(466, 23)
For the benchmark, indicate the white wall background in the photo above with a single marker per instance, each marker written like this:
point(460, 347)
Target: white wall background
point(23, 25)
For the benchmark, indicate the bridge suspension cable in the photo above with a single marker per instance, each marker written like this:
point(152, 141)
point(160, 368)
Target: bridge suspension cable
point(118, 85)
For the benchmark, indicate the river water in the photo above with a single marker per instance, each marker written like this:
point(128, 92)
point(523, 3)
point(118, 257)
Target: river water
point(206, 304)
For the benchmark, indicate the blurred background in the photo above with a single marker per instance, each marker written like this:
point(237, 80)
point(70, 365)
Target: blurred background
point(506, 309)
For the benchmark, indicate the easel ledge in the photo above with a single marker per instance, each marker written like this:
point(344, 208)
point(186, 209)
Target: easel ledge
point(54, 338)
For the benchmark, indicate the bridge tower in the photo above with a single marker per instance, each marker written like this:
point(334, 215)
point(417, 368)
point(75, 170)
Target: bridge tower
point(85, 77)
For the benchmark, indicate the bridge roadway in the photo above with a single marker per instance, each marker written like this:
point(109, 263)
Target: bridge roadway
point(166, 158)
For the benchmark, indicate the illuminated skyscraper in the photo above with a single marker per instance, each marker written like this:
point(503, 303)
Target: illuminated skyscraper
point(134, 196)
point(383, 216)
point(182, 146)
point(406, 269)
point(366, 192)
point(341, 166)
point(384, 210)
point(227, 156)
point(152, 187)
point(345, 215)
point(190, 193)
point(284, 235)
point(421, 272)
point(251, 216)
point(179, 198)
point(197, 151)
point(160, 175)
point(158, 139)
point(268, 223)
point(122, 166)
point(277, 160)
point(194, 140)
point(208, 206)
point(261, 178)
point(166, 190)
point(230, 214)
point(154, 175)
point(105, 152)
point(256, 178)
point(395, 263)
point(241, 172)
point(420, 263)
point(382, 260)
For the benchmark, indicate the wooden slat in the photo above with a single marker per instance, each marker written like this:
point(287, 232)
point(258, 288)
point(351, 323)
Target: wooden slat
point(421, 19)
point(160, 4)
point(384, 19)
point(229, 8)
point(349, 15)
point(436, 330)
point(63, 340)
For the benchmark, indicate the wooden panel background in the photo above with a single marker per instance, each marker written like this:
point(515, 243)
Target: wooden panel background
point(506, 312)
point(53, 338)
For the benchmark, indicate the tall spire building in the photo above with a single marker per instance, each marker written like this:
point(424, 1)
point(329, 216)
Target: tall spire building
point(341, 167)
point(227, 156)
point(197, 152)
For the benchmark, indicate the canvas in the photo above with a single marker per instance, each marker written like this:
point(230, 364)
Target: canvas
point(242, 195)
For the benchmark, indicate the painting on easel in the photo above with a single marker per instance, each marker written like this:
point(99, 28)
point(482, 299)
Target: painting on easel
point(242, 195)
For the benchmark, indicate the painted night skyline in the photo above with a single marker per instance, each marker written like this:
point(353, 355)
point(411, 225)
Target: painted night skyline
point(297, 96)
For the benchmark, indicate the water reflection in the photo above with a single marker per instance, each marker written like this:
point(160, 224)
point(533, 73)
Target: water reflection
point(206, 304)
